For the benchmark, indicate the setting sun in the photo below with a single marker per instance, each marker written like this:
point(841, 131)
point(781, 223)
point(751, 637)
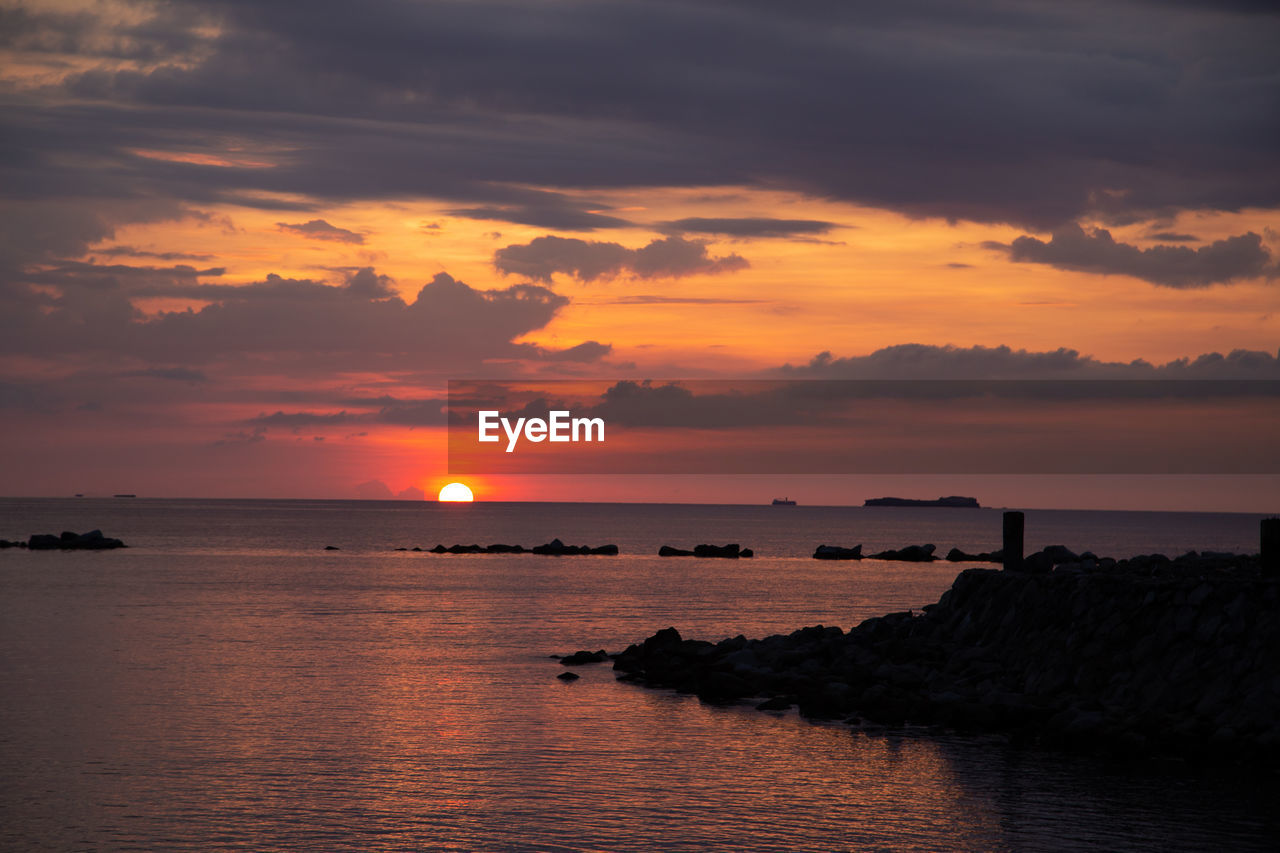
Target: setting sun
point(456, 492)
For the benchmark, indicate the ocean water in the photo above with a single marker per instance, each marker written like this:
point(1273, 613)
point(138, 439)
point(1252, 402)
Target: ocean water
point(224, 683)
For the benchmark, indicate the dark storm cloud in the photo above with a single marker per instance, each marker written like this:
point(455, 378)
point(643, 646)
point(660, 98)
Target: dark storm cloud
point(1036, 114)
point(1096, 251)
point(318, 229)
point(751, 226)
point(669, 257)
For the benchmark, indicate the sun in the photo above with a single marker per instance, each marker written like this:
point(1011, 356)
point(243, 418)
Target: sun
point(455, 492)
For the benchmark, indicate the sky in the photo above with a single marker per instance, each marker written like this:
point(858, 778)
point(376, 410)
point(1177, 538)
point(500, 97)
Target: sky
point(245, 246)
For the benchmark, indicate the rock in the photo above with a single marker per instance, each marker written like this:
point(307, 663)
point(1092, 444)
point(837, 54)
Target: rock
point(835, 552)
point(955, 555)
point(668, 551)
point(911, 554)
point(69, 541)
point(1038, 563)
point(332, 548)
point(746, 553)
point(730, 551)
point(1060, 554)
point(584, 657)
point(1118, 660)
point(556, 548)
point(568, 676)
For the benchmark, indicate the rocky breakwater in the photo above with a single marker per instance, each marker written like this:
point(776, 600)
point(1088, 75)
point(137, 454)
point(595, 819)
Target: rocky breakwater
point(67, 541)
point(1149, 656)
point(732, 551)
point(554, 548)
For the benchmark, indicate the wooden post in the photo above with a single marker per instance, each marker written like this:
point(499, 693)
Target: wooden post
point(1013, 524)
point(1270, 546)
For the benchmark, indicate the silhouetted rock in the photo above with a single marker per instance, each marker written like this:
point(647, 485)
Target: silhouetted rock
point(910, 554)
point(332, 548)
point(746, 553)
point(668, 551)
point(556, 548)
point(5, 543)
point(835, 552)
point(568, 676)
point(955, 555)
point(69, 541)
point(1132, 657)
point(730, 551)
point(584, 657)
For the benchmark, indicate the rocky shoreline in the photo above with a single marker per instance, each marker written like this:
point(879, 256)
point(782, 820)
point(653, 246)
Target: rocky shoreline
point(1143, 657)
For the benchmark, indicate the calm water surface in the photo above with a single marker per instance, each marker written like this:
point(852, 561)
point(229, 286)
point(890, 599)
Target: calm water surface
point(225, 684)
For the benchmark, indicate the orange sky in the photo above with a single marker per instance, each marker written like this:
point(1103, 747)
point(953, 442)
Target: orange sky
point(536, 220)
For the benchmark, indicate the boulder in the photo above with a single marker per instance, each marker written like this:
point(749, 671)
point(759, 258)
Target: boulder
point(730, 551)
point(69, 541)
point(584, 657)
point(910, 554)
point(835, 552)
point(568, 676)
point(668, 551)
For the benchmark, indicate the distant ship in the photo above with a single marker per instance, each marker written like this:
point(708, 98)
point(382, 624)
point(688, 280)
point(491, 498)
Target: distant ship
point(953, 501)
point(783, 502)
point(124, 496)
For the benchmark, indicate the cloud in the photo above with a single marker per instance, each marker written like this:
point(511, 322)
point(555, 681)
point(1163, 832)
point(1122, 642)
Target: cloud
point(552, 211)
point(668, 257)
point(1096, 251)
point(586, 351)
point(295, 420)
point(318, 229)
point(751, 226)
point(940, 113)
point(354, 325)
point(173, 374)
point(923, 361)
point(134, 252)
point(1173, 237)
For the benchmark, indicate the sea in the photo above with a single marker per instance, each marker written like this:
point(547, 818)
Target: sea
point(225, 683)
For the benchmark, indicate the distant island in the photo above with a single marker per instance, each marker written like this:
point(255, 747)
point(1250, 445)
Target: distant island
point(783, 502)
point(954, 500)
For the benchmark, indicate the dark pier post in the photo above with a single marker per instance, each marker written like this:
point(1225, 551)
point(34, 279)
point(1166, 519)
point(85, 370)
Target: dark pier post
point(1271, 546)
point(1013, 523)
